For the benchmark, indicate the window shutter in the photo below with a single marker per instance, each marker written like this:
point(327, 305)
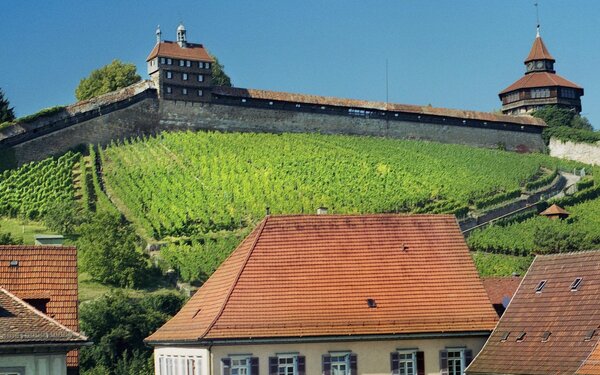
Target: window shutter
point(226, 366)
point(468, 357)
point(326, 364)
point(254, 366)
point(394, 362)
point(301, 365)
point(443, 362)
point(353, 365)
point(420, 363)
point(273, 365)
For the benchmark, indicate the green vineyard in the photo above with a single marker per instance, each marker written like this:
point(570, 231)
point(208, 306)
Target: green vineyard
point(185, 184)
point(30, 190)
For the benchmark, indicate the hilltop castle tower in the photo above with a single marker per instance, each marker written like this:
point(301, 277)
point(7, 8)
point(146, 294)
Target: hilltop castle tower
point(180, 70)
point(540, 86)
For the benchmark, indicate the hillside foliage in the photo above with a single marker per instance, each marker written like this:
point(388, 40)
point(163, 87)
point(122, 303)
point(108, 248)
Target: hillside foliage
point(108, 78)
point(30, 190)
point(185, 184)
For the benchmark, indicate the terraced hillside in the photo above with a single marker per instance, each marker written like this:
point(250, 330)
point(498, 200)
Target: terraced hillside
point(182, 184)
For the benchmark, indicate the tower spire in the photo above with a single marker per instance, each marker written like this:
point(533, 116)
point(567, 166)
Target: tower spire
point(537, 17)
point(158, 34)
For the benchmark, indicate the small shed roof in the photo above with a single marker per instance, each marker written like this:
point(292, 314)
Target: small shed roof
point(554, 210)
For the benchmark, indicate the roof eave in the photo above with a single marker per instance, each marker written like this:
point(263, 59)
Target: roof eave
point(317, 339)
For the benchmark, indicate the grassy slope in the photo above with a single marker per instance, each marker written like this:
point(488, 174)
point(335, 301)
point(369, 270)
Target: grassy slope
point(24, 229)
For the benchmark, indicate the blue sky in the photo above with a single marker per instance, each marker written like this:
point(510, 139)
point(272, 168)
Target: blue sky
point(454, 54)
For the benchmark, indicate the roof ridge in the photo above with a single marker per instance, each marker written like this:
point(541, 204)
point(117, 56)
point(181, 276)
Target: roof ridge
point(570, 253)
point(237, 278)
point(42, 315)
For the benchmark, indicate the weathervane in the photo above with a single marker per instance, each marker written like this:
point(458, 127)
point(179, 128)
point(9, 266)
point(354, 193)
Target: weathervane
point(537, 17)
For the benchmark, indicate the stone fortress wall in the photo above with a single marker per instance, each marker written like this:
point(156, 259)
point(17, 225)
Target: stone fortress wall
point(136, 111)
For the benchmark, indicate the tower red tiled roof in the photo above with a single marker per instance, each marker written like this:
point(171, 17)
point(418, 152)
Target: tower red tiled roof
point(44, 272)
point(538, 51)
point(540, 79)
point(567, 315)
point(20, 323)
point(311, 275)
point(192, 51)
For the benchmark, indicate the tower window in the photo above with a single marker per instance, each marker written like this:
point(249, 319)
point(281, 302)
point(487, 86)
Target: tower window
point(206, 65)
point(200, 64)
point(188, 63)
point(567, 93)
point(184, 91)
point(184, 76)
point(540, 93)
point(181, 63)
point(169, 62)
point(162, 60)
point(200, 93)
point(169, 74)
point(169, 90)
point(200, 78)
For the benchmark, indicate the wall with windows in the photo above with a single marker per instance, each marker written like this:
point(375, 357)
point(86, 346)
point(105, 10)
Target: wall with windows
point(34, 364)
point(181, 361)
point(366, 357)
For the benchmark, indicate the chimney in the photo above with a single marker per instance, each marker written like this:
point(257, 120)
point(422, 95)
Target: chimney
point(322, 210)
point(267, 211)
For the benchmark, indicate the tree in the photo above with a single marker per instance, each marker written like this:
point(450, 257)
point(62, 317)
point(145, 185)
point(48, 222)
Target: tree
point(108, 251)
point(555, 116)
point(109, 78)
point(219, 77)
point(64, 217)
point(118, 324)
point(6, 112)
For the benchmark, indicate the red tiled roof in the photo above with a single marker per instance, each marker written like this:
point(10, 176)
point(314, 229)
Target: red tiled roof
point(44, 272)
point(500, 288)
point(311, 275)
point(20, 323)
point(554, 210)
point(539, 51)
point(193, 51)
point(568, 316)
point(540, 79)
point(382, 106)
point(591, 366)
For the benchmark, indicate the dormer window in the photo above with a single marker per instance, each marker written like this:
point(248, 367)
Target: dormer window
point(575, 285)
point(540, 286)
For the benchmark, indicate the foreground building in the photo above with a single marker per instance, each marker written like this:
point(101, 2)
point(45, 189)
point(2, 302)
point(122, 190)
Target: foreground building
point(31, 343)
point(335, 294)
point(44, 277)
point(540, 86)
point(552, 324)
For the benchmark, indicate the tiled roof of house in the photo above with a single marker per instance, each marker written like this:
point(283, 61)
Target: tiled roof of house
point(312, 275)
point(500, 288)
point(192, 51)
point(554, 210)
point(566, 315)
point(591, 366)
point(382, 106)
point(44, 272)
point(540, 79)
point(538, 51)
point(20, 323)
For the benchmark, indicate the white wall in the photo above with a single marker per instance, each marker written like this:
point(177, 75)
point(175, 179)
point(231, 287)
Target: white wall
point(583, 152)
point(181, 355)
point(37, 364)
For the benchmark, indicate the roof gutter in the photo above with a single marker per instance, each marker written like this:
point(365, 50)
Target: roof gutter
point(316, 339)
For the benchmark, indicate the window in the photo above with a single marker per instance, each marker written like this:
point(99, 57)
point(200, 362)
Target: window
point(540, 93)
point(540, 286)
point(512, 97)
point(162, 60)
point(200, 93)
point(40, 304)
point(521, 336)
point(179, 364)
point(576, 284)
point(546, 336)
point(339, 363)
point(184, 91)
point(200, 65)
point(505, 336)
point(181, 63)
point(287, 364)
point(207, 65)
point(239, 365)
point(184, 76)
point(169, 74)
point(200, 78)
point(404, 362)
point(567, 93)
point(169, 62)
point(188, 63)
point(453, 361)
point(169, 90)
